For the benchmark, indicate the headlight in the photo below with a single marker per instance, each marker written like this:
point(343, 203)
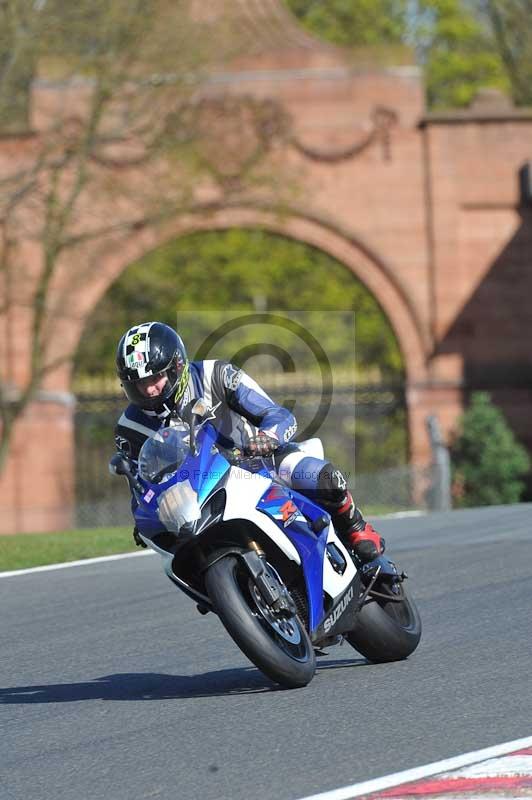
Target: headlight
point(178, 505)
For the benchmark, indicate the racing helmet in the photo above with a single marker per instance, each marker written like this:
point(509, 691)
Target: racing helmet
point(149, 349)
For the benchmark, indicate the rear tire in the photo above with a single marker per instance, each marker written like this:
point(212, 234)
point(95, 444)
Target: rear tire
point(387, 630)
point(281, 649)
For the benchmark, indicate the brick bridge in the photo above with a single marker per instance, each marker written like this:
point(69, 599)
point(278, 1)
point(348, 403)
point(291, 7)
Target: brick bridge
point(431, 211)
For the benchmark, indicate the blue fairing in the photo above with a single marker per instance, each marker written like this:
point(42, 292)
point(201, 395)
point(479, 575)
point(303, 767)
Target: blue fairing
point(209, 466)
point(146, 517)
point(309, 545)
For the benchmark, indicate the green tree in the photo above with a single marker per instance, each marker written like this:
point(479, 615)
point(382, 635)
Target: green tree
point(487, 461)
point(452, 40)
point(511, 27)
point(366, 22)
point(457, 52)
point(19, 24)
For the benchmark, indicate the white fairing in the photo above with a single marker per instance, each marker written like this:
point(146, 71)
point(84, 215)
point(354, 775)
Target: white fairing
point(312, 447)
point(244, 490)
point(334, 583)
point(165, 555)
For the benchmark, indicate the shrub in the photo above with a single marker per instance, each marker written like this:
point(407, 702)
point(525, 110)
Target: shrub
point(487, 461)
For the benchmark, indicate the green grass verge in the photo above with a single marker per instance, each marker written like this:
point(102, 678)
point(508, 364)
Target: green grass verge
point(381, 511)
point(24, 550)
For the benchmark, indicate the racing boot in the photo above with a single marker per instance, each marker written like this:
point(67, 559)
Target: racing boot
point(355, 533)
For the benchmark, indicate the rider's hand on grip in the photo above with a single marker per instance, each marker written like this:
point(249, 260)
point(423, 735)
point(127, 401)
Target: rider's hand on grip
point(262, 444)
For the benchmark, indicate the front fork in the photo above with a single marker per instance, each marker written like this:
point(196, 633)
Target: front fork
point(269, 585)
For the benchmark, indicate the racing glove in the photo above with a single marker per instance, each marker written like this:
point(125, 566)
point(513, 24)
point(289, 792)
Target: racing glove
point(262, 444)
point(138, 541)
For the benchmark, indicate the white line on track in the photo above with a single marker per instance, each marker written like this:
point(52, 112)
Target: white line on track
point(81, 563)
point(399, 515)
point(397, 778)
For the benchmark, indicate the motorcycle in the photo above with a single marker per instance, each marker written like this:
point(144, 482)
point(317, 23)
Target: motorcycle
point(266, 559)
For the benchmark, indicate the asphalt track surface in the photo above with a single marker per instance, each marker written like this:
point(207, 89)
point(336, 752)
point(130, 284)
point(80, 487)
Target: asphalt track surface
point(113, 686)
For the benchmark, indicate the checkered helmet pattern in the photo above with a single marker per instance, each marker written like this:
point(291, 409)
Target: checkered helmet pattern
point(136, 351)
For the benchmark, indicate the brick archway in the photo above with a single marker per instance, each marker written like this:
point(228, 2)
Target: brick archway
point(370, 268)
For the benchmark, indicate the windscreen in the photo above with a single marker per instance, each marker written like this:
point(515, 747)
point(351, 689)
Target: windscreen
point(163, 453)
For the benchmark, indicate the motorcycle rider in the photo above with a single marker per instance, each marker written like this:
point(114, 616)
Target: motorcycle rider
point(159, 381)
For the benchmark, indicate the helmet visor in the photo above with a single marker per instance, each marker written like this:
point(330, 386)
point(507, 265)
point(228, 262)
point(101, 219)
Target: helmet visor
point(153, 391)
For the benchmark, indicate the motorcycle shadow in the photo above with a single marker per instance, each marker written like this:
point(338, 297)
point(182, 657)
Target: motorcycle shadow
point(156, 686)
point(143, 686)
point(343, 663)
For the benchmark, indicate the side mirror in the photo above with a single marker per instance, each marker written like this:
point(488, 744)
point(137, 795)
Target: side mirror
point(118, 465)
point(196, 408)
point(200, 407)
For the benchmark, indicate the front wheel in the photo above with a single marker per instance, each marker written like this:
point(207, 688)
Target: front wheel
point(279, 647)
point(388, 628)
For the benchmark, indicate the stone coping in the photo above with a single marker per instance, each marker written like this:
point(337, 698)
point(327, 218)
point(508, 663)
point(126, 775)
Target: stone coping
point(457, 117)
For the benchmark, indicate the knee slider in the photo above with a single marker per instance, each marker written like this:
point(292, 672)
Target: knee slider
point(332, 486)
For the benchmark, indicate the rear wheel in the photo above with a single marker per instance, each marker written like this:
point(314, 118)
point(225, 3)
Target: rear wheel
point(387, 629)
point(279, 646)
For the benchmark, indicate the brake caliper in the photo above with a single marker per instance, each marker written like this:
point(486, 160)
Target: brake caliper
point(273, 593)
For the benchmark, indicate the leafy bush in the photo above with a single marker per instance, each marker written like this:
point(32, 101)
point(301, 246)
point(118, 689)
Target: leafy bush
point(487, 461)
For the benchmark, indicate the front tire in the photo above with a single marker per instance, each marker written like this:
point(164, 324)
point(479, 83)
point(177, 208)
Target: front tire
point(280, 648)
point(387, 630)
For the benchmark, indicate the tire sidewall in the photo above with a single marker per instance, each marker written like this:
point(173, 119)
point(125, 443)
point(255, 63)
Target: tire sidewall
point(380, 637)
point(248, 632)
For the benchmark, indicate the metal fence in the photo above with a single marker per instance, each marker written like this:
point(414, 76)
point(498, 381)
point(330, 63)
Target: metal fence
point(403, 489)
point(407, 488)
point(376, 431)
